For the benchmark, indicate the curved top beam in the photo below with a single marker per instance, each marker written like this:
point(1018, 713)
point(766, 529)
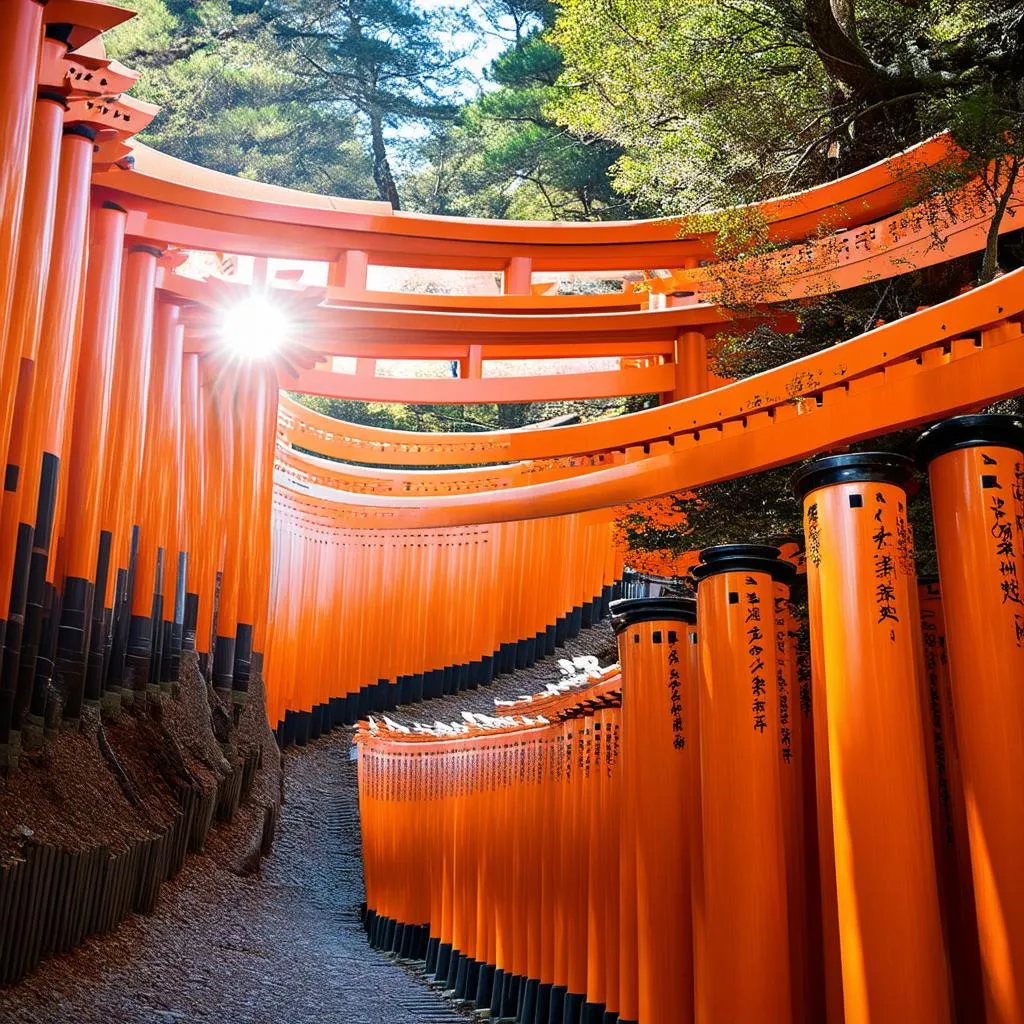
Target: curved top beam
point(897, 375)
point(196, 207)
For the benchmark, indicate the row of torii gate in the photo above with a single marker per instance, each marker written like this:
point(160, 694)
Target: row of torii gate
point(163, 494)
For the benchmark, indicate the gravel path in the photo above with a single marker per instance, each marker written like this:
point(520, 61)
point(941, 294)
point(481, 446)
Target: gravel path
point(284, 946)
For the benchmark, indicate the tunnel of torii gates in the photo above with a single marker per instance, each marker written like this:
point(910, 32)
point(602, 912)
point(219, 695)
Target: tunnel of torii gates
point(687, 836)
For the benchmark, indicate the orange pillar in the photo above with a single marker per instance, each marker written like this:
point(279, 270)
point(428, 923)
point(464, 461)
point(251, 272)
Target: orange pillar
point(661, 694)
point(87, 547)
point(350, 269)
point(263, 500)
point(518, 276)
point(45, 419)
point(743, 961)
point(153, 562)
point(124, 455)
point(949, 815)
point(21, 330)
point(976, 470)
point(690, 361)
point(860, 569)
point(192, 453)
point(21, 28)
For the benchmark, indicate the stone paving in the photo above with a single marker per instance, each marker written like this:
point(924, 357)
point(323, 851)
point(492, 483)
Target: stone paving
point(284, 946)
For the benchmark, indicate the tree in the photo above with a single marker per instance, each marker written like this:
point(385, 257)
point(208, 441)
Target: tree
point(441, 418)
point(723, 101)
point(229, 101)
point(718, 101)
point(506, 156)
point(386, 60)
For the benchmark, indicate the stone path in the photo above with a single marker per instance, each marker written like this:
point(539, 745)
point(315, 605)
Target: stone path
point(285, 947)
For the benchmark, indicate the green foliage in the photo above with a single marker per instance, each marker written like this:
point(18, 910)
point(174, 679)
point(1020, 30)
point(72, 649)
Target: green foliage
point(388, 61)
point(442, 418)
point(506, 156)
point(230, 102)
point(718, 101)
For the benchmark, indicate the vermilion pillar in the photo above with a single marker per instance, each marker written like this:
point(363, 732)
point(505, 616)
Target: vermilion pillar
point(743, 959)
point(156, 492)
point(659, 688)
point(47, 415)
point(192, 453)
point(21, 329)
point(860, 571)
point(949, 817)
point(256, 495)
point(232, 410)
point(124, 454)
point(690, 360)
point(976, 470)
point(518, 276)
point(349, 270)
point(208, 550)
point(87, 548)
point(21, 26)
point(263, 505)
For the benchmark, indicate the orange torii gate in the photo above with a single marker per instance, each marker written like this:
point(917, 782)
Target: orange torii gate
point(162, 496)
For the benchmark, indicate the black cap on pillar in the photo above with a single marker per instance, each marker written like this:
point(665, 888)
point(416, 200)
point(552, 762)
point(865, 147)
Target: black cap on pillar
point(855, 467)
point(979, 431)
point(628, 611)
point(743, 558)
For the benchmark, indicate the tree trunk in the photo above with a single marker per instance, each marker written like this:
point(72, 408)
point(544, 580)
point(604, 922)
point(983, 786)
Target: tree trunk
point(843, 57)
point(990, 262)
point(382, 175)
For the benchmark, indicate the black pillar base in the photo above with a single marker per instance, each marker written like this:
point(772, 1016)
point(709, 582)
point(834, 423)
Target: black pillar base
point(576, 621)
point(444, 961)
point(533, 652)
point(337, 706)
point(497, 988)
point(573, 1010)
point(593, 1013)
point(506, 658)
point(522, 650)
point(511, 984)
point(288, 729)
point(484, 986)
point(550, 639)
point(433, 945)
point(610, 1017)
point(556, 1005)
point(540, 644)
point(453, 969)
point(461, 978)
point(543, 1002)
point(351, 710)
point(472, 980)
point(528, 1003)
point(561, 631)
point(587, 615)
